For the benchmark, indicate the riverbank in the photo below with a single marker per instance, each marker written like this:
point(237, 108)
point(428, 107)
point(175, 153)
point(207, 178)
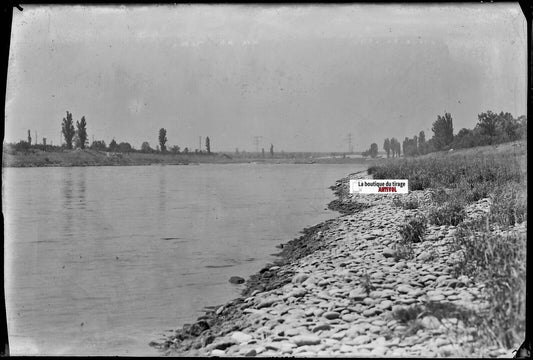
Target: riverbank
point(358, 285)
point(88, 157)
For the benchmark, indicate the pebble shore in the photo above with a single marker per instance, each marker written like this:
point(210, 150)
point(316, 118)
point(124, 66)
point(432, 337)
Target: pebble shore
point(341, 294)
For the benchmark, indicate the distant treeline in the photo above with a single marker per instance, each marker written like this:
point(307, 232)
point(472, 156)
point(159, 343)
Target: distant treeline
point(491, 129)
point(76, 137)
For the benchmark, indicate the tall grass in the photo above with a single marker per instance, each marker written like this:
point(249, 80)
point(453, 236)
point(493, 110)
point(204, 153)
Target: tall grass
point(493, 250)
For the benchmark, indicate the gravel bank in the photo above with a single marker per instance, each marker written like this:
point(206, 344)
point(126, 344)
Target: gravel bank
point(340, 290)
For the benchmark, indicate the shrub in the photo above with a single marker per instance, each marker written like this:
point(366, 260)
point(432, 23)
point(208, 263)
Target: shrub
point(414, 230)
point(451, 213)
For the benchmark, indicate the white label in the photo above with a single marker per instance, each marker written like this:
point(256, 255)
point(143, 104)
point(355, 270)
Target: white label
point(370, 186)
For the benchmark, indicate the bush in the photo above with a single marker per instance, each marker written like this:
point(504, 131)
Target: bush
point(415, 230)
point(451, 213)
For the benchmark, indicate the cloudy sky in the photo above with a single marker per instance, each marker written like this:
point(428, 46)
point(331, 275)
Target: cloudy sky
point(302, 77)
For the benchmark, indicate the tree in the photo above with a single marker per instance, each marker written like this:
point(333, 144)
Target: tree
point(373, 150)
point(163, 139)
point(405, 145)
point(29, 137)
point(113, 146)
point(67, 128)
point(271, 150)
point(175, 149)
point(81, 133)
point(186, 150)
point(522, 126)
point(208, 145)
point(145, 147)
point(443, 131)
point(465, 138)
point(395, 147)
point(421, 142)
point(487, 123)
point(98, 145)
point(398, 148)
point(124, 147)
point(386, 146)
point(263, 152)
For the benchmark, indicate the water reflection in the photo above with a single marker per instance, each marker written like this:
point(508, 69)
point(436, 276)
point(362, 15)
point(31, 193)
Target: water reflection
point(81, 187)
point(162, 191)
point(73, 191)
point(67, 191)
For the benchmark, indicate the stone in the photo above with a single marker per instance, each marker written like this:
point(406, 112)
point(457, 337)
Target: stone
point(349, 317)
point(241, 337)
point(388, 252)
point(198, 327)
point(428, 278)
point(321, 327)
point(424, 256)
point(403, 289)
point(370, 312)
point(331, 315)
point(301, 340)
point(298, 293)
point(299, 278)
point(385, 305)
point(430, 322)
point(236, 280)
point(251, 353)
point(339, 336)
point(388, 293)
point(361, 339)
point(218, 352)
point(357, 294)
point(369, 301)
point(223, 345)
point(266, 303)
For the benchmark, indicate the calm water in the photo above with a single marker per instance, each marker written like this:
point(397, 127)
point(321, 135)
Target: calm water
point(102, 260)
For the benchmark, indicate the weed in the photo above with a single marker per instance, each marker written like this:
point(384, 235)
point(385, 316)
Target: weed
point(500, 262)
point(415, 230)
point(367, 284)
point(450, 213)
point(406, 205)
point(509, 205)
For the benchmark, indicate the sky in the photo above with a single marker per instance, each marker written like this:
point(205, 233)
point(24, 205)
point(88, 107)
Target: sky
point(300, 77)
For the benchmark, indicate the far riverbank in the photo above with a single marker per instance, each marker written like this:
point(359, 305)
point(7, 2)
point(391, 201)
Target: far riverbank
point(88, 157)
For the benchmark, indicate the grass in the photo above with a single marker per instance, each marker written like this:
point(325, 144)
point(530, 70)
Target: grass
point(414, 230)
point(450, 213)
point(411, 315)
point(493, 250)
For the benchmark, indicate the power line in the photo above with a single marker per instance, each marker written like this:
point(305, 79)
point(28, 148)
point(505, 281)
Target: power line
point(349, 139)
point(256, 142)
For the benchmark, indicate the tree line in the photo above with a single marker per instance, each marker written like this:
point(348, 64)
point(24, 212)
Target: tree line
point(75, 136)
point(492, 128)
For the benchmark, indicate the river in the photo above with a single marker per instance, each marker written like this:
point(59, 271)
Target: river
point(102, 260)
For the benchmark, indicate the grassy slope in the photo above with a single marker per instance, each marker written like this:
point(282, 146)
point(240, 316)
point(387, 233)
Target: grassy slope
point(494, 249)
